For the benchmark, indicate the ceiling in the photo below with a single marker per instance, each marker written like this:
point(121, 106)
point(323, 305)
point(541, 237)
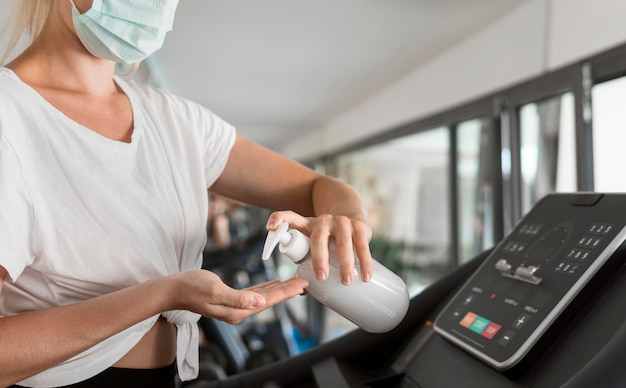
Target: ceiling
point(276, 68)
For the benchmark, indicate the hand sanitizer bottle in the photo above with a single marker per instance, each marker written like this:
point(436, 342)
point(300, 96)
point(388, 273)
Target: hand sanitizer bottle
point(376, 306)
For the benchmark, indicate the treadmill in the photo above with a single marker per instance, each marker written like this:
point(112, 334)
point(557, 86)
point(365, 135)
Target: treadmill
point(545, 308)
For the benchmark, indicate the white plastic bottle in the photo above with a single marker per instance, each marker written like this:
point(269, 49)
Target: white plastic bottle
point(376, 306)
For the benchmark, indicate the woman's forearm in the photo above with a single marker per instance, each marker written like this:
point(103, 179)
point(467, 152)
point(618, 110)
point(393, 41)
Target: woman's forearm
point(35, 341)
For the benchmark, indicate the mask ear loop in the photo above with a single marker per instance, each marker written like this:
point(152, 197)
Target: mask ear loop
point(74, 5)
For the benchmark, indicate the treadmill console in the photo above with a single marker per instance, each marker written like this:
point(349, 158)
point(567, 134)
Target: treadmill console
point(530, 279)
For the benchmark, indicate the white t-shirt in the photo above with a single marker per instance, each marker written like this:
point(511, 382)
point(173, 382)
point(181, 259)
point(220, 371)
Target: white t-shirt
point(82, 215)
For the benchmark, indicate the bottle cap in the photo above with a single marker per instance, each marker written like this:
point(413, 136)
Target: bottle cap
point(291, 243)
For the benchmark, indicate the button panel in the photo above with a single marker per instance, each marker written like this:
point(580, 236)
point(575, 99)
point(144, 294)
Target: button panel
point(480, 325)
point(506, 305)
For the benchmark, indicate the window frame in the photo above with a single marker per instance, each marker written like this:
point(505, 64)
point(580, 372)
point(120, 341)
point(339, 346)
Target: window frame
point(501, 109)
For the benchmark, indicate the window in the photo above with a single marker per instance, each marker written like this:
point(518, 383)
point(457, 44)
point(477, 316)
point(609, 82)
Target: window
point(475, 188)
point(405, 185)
point(547, 148)
point(609, 135)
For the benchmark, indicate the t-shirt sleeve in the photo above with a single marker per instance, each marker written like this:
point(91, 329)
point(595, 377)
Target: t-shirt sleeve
point(16, 214)
point(219, 140)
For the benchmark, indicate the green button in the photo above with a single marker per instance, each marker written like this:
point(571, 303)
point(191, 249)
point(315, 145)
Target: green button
point(479, 324)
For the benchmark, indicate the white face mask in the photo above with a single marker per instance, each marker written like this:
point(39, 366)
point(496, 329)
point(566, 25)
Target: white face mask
point(124, 31)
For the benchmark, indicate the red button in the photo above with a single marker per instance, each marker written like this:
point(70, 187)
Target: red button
point(491, 330)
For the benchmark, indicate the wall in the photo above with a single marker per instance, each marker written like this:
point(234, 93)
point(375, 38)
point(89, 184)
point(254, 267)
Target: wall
point(537, 37)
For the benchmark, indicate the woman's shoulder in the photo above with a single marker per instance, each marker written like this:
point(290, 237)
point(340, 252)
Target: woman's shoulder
point(14, 94)
point(9, 82)
point(151, 93)
point(162, 101)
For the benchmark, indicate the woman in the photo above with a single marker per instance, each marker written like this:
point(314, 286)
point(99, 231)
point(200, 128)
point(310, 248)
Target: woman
point(103, 186)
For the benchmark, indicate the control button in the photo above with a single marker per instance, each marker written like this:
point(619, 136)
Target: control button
point(600, 228)
point(503, 266)
point(506, 337)
point(573, 268)
point(491, 330)
point(514, 247)
point(479, 325)
point(578, 254)
point(589, 241)
point(531, 309)
point(526, 271)
point(477, 290)
point(468, 319)
point(527, 274)
point(530, 229)
point(520, 321)
point(468, 300)
point(457, 314)
point(567, 267)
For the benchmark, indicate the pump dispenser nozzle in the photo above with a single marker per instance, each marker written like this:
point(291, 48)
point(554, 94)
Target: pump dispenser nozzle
point(291, 243)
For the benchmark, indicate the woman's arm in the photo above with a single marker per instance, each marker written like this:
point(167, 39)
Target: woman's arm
point(319, 206)
point(35, 341)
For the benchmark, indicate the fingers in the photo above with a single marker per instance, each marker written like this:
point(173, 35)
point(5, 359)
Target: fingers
point(241, 304)
point(246, 300)
point(349, 237)
point(237, 307)
point(343, 233)
point(294, 220)
point(279, 291)
point(296, 275)
point(319, 240)
point(203, 292)
point(362, 235)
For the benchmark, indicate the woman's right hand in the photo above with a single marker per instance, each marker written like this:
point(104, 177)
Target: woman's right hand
point(203, 292)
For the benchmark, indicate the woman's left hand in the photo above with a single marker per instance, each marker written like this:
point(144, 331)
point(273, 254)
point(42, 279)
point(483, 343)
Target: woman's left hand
point(350, 236)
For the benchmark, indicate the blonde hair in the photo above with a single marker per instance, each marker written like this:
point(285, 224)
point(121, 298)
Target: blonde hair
point(29, 17)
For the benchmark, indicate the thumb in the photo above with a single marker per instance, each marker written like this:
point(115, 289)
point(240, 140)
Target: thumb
point(294, 220)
